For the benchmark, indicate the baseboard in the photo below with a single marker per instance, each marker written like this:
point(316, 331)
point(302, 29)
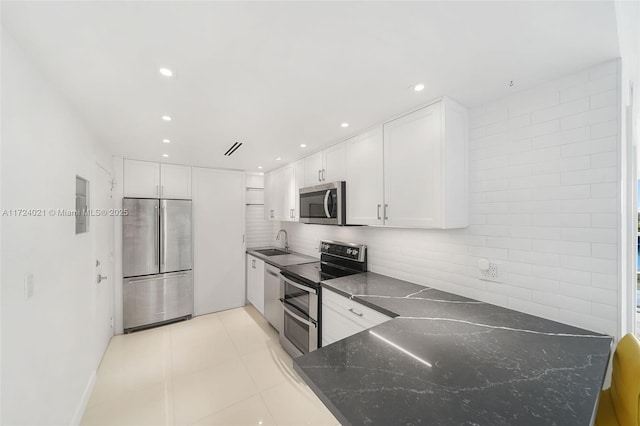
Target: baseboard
point(84, 400)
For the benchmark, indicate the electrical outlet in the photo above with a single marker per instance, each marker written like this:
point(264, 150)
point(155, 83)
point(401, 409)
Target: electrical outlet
point(28, 286)
point(492, 273)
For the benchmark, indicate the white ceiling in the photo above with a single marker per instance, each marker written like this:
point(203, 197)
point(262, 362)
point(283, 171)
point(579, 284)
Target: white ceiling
point(274, 75)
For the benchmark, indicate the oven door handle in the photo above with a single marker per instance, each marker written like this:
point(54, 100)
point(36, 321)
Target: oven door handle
point(299, 286)
point(309, 322)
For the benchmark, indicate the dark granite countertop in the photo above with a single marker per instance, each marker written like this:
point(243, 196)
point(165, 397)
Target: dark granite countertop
point(449, 360)
point(280, 261)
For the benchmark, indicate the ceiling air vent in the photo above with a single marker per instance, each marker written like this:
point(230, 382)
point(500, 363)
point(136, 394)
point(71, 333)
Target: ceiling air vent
point(233, 148)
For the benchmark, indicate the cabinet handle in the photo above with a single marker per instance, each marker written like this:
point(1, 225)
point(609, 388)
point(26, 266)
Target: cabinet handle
point(158, 190)
point(355, 312)
point(379, 212)
point(253, 264)
point(386, 206)
point(323, 170)
point(161, 190)
point(319, 178)
point(293, 213)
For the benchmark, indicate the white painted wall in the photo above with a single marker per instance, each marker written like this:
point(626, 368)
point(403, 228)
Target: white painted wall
point(49, 355)
point(544, 203)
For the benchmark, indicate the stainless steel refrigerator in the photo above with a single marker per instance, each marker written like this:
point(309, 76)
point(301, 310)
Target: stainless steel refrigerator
point(157, 261)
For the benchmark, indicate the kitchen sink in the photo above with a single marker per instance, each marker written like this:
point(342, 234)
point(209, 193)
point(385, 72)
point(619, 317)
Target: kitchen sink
point(272, 252)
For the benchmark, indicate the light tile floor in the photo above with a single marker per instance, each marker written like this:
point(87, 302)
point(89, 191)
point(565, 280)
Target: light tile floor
point(225, 368)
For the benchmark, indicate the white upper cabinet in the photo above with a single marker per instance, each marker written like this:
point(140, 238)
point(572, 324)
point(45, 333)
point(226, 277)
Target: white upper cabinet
point(364, 177)
point(313, 169)
point(334, 163)
point(281, 188)
point(175, 181)
point(325, 166)
point(141, 179)
point(425, 168)
point(298, 182)
point(145, 179)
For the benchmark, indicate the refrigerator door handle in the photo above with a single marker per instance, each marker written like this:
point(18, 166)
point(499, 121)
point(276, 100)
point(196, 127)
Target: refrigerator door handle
point(156, 226)
point(163, 238)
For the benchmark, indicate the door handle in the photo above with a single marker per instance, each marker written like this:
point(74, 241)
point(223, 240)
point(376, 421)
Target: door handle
point(326, 203)
point(379, 212)
point(386, 206)
point(100, 278)
point(355, 312)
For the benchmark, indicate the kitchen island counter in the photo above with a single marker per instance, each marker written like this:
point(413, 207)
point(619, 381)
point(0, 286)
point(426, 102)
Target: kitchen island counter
point(449, 360)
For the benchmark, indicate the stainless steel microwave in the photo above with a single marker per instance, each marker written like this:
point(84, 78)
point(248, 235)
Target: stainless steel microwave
point(323, 204)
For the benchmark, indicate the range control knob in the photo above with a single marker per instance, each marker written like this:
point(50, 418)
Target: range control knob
point(354, 252)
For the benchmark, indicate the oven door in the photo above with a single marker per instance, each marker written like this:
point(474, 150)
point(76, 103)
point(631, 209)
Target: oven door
point(323, 204)
point(300, 329)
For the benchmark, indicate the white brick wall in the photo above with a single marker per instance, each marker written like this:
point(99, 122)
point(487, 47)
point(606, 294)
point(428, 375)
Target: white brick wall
point(544, 199)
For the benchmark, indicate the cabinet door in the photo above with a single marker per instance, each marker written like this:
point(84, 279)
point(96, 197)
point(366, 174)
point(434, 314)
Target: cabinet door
point(269, 196)
point(288, 200)
point(313, 169)
point(298, 183)
point(175, 181)
point(141, 179)
point(334, 163)
point(255, 282)
point(413, 169)
point(278, 195)
point(364, 178)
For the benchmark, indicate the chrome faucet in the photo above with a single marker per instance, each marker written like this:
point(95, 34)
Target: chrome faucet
point(286, 239)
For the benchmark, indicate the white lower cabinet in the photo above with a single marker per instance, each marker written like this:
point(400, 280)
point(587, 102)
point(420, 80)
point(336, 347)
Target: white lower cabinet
point(343, 317)
point(255, 282)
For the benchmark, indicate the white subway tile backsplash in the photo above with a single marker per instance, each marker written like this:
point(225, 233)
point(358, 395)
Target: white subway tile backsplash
point(593, 116)
point(561, 110)
point(607, 128)
point(602, 84)
point(543, 204)
point(607, 174)
point(603, 99)
point(604, 221)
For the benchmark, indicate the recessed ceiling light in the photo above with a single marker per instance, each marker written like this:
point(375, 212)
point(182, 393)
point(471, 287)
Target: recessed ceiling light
point(278, 159)
point(259, 167)
point(166, 72)
point(344, 125)
point(166, 140)
point(418, 87)
point(302, 145)
point(165, 155)
point(166, 118)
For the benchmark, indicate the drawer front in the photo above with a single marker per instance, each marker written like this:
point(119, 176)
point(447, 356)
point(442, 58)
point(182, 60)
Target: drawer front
point(158, 298)
point(358, 313)
point(335, 326)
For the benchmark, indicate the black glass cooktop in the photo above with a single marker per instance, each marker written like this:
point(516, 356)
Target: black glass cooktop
point(313, 273)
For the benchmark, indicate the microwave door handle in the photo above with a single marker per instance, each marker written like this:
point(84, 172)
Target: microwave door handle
point(327, 196)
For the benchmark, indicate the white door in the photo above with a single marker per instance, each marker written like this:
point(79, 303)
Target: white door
point(103, 228)
point(334, 163)
point(313, 169)
point(364, 178)
point(413, 169)
point(175, 181)
point(218, 246)
point(141, 179)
